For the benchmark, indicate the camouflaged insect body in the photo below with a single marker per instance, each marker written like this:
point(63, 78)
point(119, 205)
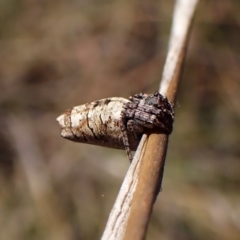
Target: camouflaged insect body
point(97, 123)
point(117, 122)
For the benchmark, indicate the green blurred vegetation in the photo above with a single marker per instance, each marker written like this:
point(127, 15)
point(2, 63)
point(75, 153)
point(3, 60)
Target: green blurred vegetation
point(58, 54)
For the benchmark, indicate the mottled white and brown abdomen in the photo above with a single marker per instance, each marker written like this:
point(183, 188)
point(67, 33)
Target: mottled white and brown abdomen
point(97, 123)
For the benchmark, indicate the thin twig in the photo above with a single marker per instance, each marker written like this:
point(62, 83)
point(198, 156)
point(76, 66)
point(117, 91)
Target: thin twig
point(131, 212)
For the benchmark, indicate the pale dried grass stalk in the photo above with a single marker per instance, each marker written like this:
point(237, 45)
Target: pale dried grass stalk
point(131, 212)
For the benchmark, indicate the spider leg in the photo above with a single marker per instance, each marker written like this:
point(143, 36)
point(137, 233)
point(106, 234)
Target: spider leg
point(125, 138)
point(134, 128)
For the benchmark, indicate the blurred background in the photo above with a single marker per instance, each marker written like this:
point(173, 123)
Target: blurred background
point(58, 54)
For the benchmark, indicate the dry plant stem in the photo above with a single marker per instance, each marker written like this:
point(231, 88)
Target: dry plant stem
point(151, 163)
point(116, 224)
point(150, 174)
point(182, 20)
point(151, 171)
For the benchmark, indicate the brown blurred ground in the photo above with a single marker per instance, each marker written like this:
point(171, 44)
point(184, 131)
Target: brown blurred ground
point(57, 54)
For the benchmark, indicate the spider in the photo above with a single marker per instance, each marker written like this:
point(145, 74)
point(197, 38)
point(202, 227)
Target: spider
point(145, 111)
